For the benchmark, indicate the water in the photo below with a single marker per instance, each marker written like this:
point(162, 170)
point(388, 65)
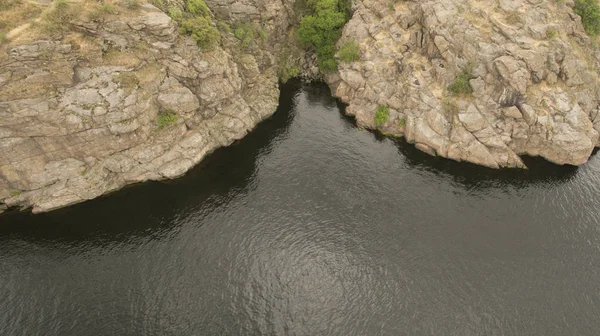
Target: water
point(310, 226)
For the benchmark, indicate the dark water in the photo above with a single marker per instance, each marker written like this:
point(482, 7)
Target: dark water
point(310, 226)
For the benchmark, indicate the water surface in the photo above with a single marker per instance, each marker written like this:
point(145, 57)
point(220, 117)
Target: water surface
point(310, 226)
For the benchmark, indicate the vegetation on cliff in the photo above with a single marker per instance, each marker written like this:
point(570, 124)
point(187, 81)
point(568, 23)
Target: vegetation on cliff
point(589, 10)
point(321, 29)
point(196, 22)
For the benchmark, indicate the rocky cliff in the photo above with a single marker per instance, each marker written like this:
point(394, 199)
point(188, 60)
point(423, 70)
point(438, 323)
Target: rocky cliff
point(120, 96)
point(117, 95)
point(531, 70)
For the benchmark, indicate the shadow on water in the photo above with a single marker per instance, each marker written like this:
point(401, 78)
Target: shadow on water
point(539, 170)
point(148, 209)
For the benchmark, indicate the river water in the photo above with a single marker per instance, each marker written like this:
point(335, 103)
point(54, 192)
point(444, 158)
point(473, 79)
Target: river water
point(311, 226)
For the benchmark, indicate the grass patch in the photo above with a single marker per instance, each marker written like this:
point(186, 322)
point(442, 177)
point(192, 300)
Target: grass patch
point(102, 11)
point(130, 4)
point(381, 115)
point(551, 33)
point(14, 13)
point(349, 52)
point(589, 10)
point(57, 19)
point(166, 119)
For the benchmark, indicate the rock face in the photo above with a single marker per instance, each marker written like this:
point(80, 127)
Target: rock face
point(118, 101)
point(532, 70)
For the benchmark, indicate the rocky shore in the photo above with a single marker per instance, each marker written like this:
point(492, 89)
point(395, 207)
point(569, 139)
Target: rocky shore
point(122, 96)
point(531, 68)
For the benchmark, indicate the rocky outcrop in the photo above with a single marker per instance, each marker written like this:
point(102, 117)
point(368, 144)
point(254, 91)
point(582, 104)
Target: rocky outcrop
point(532, 73)
point(120, 100)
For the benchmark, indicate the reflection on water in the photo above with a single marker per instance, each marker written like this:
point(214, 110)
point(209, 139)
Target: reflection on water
point(310, 226)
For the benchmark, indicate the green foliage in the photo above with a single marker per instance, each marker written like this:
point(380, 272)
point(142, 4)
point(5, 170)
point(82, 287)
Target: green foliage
point(223, 27)
point(196, 22)
point(175, 14)
point(166, 118)
point(289, 62)
point(3, 37)
point(197, 7)
point(589, 10)
point(461, 85)
point(201, 30)
point(381, 115)
point(321, 29)
point(349, 52)
point(288, 73)
point(248, 33)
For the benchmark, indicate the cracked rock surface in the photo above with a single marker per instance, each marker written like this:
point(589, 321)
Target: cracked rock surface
point(80, 115)
point(534, 78)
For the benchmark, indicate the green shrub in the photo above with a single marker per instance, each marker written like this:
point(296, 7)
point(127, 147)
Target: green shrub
point(461, 85)
point(551, 33)
point(589, 10)
point(223, 27)
point(288, 73)
point(175, 14)
point(381, 115)
point(349, 52)
point(165, 119)
point(197, 7)
point(248, 33)
point(321, 29)
point(202, 31)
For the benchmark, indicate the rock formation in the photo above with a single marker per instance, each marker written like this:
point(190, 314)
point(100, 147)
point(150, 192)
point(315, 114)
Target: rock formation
point(531, 67)
point(123, 99)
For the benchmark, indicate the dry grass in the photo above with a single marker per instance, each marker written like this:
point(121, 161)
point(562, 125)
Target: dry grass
point(149, 73)
point(116, 57)
point(14, 13)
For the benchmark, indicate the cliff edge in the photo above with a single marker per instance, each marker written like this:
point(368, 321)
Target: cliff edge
point(94, 96)
point(482, 81)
